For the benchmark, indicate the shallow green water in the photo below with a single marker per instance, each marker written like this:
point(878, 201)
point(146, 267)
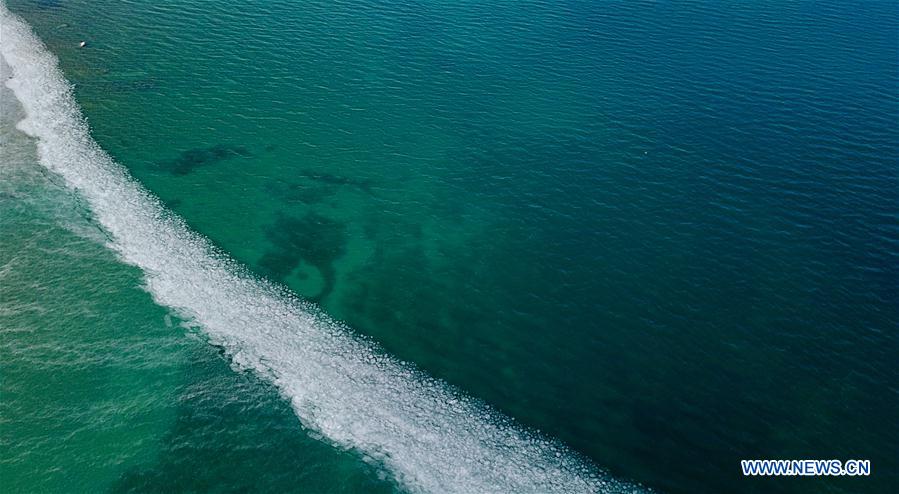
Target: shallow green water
point(662, 234)
point(104, 390)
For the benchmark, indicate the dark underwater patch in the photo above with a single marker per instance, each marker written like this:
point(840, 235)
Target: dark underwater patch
point(331, 179)
point(187, 161)
point(317, 186)
point(126, 85)
point(305, 194)
point(314, 239)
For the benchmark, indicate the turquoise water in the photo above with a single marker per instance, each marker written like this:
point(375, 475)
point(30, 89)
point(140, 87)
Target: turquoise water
point(663, 234)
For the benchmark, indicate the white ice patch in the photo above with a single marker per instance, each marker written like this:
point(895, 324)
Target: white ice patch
point(430, 436)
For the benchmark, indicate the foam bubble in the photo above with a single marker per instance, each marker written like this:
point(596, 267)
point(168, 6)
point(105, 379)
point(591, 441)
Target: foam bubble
point(431, 437)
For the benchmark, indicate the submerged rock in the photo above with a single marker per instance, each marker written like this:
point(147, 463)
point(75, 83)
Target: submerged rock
point(187, 161)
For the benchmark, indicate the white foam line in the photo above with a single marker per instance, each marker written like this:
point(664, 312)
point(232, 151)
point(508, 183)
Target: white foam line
point(430, 436)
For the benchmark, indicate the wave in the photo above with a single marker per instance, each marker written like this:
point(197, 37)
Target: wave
point(343, 388)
